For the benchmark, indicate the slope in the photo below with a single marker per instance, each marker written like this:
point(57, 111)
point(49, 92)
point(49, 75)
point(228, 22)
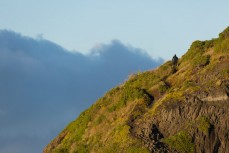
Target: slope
point(181, 108)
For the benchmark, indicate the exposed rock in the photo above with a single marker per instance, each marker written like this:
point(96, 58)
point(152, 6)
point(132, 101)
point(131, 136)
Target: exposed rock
point(184, 117)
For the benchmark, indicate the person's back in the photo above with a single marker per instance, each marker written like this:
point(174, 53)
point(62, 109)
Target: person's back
point(175, 60)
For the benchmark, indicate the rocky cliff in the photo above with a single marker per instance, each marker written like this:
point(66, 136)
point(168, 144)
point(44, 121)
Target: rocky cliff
point(204, 125)
point(174, 108)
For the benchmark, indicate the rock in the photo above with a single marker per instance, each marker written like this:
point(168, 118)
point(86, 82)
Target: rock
point(171, 120)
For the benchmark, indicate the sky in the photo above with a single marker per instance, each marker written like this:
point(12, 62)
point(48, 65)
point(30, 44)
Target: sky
point(58, 57)
point(162, 28)
point(43, 86)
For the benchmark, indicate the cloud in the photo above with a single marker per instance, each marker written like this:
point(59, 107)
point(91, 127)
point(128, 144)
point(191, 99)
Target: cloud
point(44, 86)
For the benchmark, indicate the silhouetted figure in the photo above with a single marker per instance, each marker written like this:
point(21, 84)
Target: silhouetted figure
point(175, 60)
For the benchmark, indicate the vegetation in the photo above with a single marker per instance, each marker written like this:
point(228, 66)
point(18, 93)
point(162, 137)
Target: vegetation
point(200, 61)
point(131, 94)
point(163, 87)
point(107, 125)
point(197, 49)
point(204, 124)
point(142, 80)
point(222, 45)
point(182, 142)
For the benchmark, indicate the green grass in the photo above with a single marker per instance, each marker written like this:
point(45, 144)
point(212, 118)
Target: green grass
point(182, 142)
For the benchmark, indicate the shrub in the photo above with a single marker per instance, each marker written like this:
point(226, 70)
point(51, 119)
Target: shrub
point(189, 83)
point(204, 124)
point(100, 119)
point(142, 80)
point(165, 70)
point(138, 111)
point(224, 34)
point(222, 45)
point(112, 108)
point(113, 91)
point(182, 142)
point(80, 124)
point(174, 96)
point(134, 149)
point(131, 94)
point(209, 43)
point(225, 72)
point(198, 48)
point(121, 133)
point(201, 61)
point(61, 150)
point(82, 148)
point(163, 87)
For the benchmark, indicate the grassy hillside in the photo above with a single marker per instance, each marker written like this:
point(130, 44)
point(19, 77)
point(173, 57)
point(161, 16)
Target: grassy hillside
point(107, 125)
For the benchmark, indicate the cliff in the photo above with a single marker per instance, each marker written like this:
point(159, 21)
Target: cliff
point(182, 108)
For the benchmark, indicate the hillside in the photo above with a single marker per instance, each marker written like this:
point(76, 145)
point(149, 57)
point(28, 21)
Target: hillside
point(181, 108)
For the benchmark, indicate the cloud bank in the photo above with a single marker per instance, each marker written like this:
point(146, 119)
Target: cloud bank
point(44, 86)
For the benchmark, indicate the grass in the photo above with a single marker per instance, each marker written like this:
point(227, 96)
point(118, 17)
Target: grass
point(142, 80)
point(201, 60)
point(163, 87)
point(104, 126)
point(100, 119)
point(137, 149)
point(222, 43)
point(181, 141)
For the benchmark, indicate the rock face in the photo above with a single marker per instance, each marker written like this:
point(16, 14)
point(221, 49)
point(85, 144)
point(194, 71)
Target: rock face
point(182, 108)
point(176, 117)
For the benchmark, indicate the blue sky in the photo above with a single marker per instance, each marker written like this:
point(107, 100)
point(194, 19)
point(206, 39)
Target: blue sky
point(162, 28)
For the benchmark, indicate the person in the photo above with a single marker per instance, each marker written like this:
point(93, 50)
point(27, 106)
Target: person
point(175, 60)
